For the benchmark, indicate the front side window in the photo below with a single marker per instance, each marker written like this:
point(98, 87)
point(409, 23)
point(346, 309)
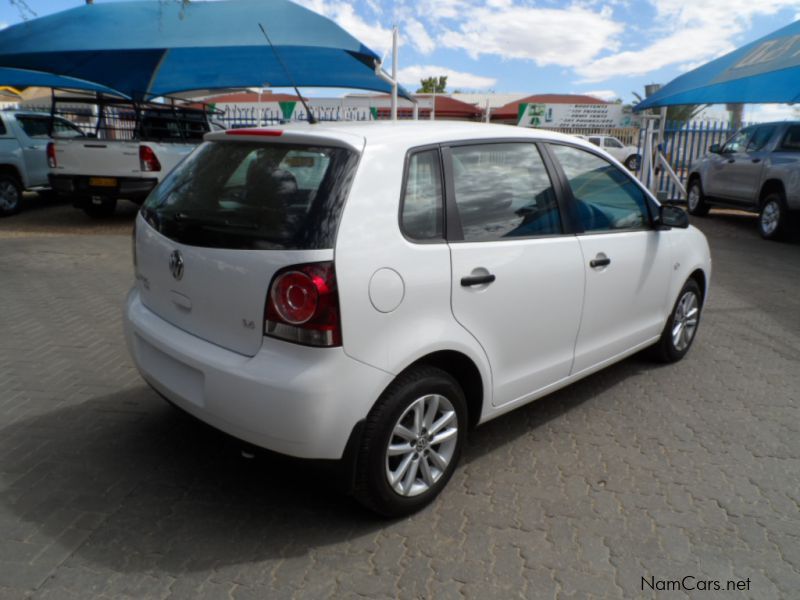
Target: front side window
point(248, 195)
point(421, 217)
point(760, 138)
point(503, 191)
point(739, 141)
point(613, 143)
point(607, 199)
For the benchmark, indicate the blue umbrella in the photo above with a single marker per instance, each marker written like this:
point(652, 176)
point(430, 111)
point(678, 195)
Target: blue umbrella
point(23, 78)
point(765, 71)
point(146, 49)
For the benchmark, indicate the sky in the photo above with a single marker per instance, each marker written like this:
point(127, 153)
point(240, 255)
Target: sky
point(605, 48)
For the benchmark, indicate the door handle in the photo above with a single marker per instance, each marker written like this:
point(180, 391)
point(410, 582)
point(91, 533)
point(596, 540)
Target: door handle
point(599, 261)
point(477, 280)
point(731, 160)
point(33, 147)
point(756, 160)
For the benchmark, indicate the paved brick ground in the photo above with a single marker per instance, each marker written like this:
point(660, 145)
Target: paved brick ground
point(107, 492)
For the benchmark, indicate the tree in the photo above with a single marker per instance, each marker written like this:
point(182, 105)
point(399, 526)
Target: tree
point(680, 114)
point(431, 85)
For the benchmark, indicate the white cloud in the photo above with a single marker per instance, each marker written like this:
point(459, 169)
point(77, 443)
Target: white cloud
point(375, 36)
point(415, 31)
point(607, 95)
point(567, 37)
point(761, 113)
point(698, 31)
point(412, 75)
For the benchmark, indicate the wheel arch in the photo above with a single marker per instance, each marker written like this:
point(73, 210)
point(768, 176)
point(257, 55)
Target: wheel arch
point(464, 370)
point(13, 171)
point(699, 276)
point(771, 186)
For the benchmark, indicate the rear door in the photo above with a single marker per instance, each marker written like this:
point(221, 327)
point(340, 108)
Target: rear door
point(33, 138)
point(218, 228)
point(517, 274)
point(627, 264)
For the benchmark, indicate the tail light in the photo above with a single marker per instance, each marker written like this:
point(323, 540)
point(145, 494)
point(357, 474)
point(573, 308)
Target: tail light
point(51, 155)
point(148, 160)
point(303, 306)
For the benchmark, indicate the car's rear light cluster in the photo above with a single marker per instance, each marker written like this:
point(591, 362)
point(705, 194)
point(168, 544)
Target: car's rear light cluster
point(51, 155)
point(148, 161)
point(303, 305)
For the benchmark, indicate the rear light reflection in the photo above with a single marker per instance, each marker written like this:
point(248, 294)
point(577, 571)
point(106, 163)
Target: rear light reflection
point(303, 306)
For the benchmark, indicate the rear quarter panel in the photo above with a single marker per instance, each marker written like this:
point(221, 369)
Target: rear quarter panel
point(784, 167)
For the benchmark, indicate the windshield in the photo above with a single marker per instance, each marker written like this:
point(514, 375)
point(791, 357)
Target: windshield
point(251, 195)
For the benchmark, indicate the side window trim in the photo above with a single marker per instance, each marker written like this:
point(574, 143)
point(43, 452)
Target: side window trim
point(406, 166)
point(651, 204)
point(453, 228)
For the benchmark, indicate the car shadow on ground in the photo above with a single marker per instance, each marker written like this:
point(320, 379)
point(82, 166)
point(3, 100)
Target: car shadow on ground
point(161, 491)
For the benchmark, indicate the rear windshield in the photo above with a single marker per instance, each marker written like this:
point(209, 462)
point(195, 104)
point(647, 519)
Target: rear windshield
point(254, 196)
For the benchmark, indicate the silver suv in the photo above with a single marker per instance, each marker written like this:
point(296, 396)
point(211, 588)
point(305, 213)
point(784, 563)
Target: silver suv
point(757, 169)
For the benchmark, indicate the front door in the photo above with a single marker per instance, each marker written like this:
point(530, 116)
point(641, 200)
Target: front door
point(517, 278)
point(626, 262)
point(724, 177)
point(744, 173)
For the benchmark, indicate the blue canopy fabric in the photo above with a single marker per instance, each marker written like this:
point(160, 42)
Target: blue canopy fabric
point(764, 71)
point(24, 78)
point(148, 48)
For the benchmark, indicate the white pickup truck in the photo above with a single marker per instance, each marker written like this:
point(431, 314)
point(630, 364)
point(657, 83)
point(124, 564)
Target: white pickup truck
point(23, 164)
point(97, 171)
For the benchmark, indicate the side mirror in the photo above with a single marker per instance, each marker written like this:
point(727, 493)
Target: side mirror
point(673, 216)
point(715, 148)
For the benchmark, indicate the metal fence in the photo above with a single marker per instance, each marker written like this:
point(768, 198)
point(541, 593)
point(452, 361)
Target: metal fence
point(251, 116)
point(684, 142)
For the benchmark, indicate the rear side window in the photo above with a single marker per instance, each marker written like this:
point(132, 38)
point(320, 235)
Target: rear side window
point(607, 199)
point(39, 127)
point(503, 191)
point(595, 140)
point(421, 217)
point(254, 196)
point(791, 141)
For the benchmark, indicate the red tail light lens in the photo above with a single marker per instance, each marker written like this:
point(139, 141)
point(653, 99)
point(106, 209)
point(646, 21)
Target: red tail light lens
point(51, 155)
point(148, 161)
point(303, 306)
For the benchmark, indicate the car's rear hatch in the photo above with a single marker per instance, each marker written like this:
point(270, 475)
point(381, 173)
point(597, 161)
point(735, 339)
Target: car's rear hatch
point(213, 234)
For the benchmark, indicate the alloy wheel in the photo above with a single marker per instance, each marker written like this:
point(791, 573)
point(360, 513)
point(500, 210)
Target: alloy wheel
point(422, 445)
point(770, 217)
point(694, 197)
point(9, 196)
point(684, 324)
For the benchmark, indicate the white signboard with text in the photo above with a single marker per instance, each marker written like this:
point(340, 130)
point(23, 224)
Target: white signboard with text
point(574, 116)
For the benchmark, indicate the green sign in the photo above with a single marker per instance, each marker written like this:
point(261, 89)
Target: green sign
point(287, 109)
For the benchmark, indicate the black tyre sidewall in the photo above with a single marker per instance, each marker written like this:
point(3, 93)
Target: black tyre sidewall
point(381, 497)
point(632, 162)
point(15, 182)
point(701, 209)
point(780, 230)
point(668, 351)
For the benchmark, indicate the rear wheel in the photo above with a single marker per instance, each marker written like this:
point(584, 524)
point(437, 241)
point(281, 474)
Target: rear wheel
point(10, 195)
point(773, 219)
point(98, 207)
point(681, 326)
point(696, 200)
point(411, 442)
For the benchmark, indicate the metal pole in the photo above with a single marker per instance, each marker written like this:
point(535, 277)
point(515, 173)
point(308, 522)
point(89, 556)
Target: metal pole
point(416, 109)
point(394, 73)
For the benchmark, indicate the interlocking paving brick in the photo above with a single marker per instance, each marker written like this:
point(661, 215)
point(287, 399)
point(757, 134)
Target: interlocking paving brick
point(640, 470)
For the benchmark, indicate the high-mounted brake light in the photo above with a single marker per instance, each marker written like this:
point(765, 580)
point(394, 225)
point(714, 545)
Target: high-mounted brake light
point(303, 306)
point(263, 132)
point(51, 155)
point(148, 161)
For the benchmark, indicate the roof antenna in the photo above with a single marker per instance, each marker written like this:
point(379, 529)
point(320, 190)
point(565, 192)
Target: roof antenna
point(311, 119)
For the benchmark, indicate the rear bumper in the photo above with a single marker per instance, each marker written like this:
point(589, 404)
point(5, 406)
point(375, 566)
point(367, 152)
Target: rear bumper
point(291, 399)
point(132, 188)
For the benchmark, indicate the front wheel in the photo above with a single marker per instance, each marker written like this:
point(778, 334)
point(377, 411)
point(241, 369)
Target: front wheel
point(411, 443)
point(681, 327)
point(696, 200)
point(633, 162)
point(773, 219)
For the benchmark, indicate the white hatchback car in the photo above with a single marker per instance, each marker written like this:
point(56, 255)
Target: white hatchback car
point(368, 292)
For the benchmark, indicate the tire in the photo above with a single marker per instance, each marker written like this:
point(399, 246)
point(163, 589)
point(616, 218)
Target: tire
point(696, 200)
point(10, 195)
point(424, 476)
point(633, 162)
point(105, 209)
point(671, 347)
point(773, 218)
